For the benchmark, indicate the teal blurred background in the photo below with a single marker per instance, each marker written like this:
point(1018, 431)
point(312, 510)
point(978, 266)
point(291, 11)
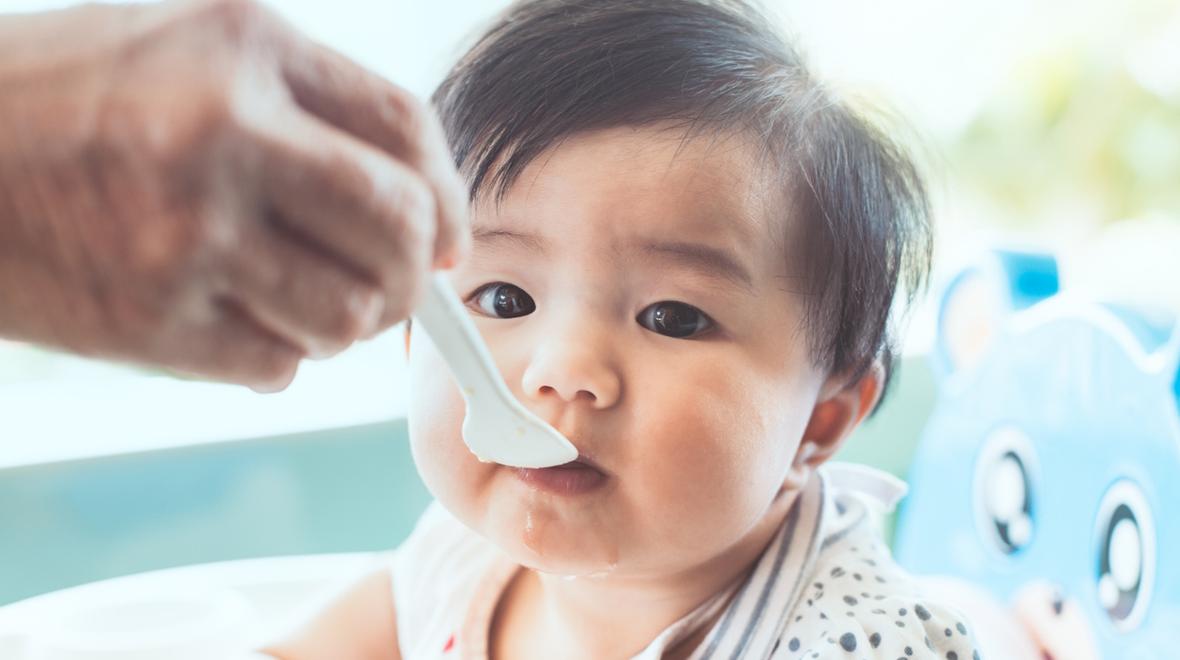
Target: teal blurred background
point(69, 523)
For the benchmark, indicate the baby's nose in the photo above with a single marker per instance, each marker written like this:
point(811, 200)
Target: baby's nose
point(573, 373)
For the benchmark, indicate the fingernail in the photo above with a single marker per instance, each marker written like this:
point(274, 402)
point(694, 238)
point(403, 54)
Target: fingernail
point(268, 387)
point(317, 351)
point(368, 307)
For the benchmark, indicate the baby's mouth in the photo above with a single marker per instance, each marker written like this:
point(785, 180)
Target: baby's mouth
point(577, 477)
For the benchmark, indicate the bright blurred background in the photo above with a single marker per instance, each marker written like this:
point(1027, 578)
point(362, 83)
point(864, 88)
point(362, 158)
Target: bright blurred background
point(1053, 124)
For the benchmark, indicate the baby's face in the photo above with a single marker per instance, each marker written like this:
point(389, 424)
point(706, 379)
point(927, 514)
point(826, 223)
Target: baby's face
point(634, 290)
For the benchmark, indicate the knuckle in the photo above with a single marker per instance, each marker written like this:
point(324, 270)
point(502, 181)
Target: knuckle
point(411, 115)
point(414, 209)
point(404, 209)
point(169, 253)
point(412, 242)
point(213, 128)
point(237, 18)
point(223, 108)
point(356, 318)
point(196, 139)
point(354, 181)
point(210, 236)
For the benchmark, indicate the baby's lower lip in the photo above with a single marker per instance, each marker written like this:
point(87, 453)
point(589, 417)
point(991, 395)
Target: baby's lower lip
point(570, 479)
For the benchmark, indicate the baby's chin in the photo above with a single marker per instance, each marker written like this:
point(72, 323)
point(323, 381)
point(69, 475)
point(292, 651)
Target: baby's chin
point(553, 539)
point(561, 535)
point(567, 562)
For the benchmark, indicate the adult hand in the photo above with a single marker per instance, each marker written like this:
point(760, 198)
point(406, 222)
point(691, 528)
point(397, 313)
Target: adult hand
point(197, 186)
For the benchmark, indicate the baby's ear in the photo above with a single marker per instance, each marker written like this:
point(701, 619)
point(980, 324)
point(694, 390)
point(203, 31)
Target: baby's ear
point(978, 300)
point(841, 407)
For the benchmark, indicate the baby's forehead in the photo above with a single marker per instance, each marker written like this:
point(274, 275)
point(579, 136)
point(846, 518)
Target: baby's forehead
point(643, 180)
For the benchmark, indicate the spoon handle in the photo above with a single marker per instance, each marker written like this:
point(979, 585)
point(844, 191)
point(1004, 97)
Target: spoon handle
point(496, 426)
point(449, 325)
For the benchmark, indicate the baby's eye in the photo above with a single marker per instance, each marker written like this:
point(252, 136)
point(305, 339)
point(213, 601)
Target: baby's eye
point(502, 300)
point(674, 319)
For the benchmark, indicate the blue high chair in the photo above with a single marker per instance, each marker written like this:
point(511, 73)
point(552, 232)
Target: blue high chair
point(1043, 486)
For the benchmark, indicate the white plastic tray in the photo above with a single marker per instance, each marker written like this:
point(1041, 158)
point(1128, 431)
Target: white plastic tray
point(201, 612)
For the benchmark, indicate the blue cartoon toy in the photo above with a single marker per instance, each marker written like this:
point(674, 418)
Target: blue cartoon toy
point(1046, 488)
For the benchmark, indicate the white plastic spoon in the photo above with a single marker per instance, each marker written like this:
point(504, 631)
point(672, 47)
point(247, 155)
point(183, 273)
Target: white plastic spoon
point(497, 427)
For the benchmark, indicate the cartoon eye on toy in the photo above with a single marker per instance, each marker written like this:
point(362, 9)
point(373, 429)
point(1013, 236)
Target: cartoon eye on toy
point(1125, 545)
point(1004, 490)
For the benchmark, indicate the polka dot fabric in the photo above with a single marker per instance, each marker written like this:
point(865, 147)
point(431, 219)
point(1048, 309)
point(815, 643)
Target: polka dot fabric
point(859, 604)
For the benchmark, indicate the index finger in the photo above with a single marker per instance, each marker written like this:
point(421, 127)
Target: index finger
point(355, 100)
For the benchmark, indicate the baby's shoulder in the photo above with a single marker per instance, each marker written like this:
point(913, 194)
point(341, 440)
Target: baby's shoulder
point(439, 551)
point(434, 574)
point(858, 603)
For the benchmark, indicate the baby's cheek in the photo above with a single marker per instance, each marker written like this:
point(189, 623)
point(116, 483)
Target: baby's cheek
point(709, 472)
point(435, 419)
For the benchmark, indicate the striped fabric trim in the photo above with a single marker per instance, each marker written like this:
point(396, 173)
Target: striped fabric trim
point(777, 550)
point(751, 625)
point(838, 535)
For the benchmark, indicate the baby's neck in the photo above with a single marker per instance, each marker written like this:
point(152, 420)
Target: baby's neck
point(547, 616)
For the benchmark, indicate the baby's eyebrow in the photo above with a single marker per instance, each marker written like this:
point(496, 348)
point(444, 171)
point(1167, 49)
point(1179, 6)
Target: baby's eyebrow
point(697, 256)
point(701, 257)
point(488, 236)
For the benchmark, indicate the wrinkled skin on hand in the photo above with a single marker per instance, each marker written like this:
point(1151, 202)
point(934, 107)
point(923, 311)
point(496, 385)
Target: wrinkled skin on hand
point(196, 186)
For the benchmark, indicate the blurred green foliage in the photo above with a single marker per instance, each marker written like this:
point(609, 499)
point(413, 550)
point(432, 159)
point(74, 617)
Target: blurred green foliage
point(1089, 126)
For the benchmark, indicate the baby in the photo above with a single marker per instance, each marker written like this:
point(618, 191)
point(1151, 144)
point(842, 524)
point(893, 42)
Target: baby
point(685, 255)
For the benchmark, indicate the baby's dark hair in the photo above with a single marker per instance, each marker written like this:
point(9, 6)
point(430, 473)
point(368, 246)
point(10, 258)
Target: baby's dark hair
point(548, 69)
